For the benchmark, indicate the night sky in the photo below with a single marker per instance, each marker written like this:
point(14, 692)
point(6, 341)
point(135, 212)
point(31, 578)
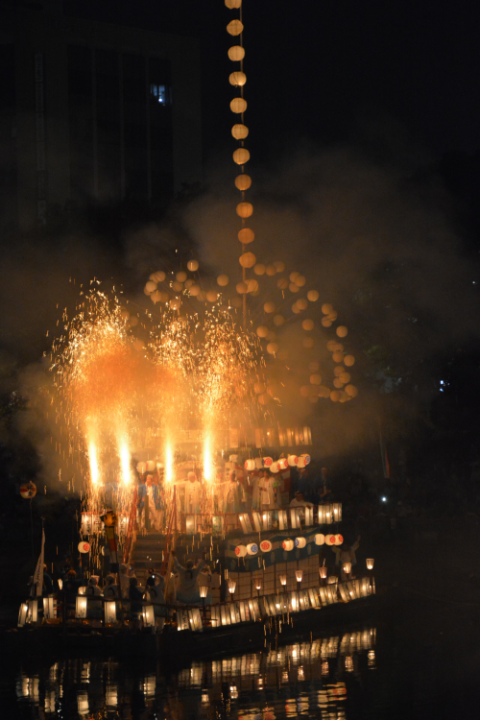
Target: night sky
point(330, 71)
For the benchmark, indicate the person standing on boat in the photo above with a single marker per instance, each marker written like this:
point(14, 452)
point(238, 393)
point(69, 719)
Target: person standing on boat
point(155, 593)
point(187, 588)
point(231, 495)
point(193, 494)
point(346, 554)
point(111, 591)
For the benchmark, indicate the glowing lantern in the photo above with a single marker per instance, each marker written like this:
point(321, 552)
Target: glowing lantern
point(338, 539)
point(303, 304)
point(247, 260)
point(194, 290)
point(238, 105)
point(150, 286)
point(271, 270)
point(241, 156)
point(272, 348)
point(342, 331)
point(80, 607)
point(181, 276)
point(319, 539)
point(370, 563)
point(308, 342)
point(246, 236)
point(332, 316)
point(347, 567)
point(158, 276)
point(278, 320)
point(192, 265)
point(349, 360)
point(312, 295)
point(234, 27)
point(345, 377)
point(211, 296)
point(300, 542)
point(222, 280)
point(156, 296)
point(83, 547)
point(252, 286)
point(267, 461)
point(315, 379)
point(330, 539)
point(327, 308)
point(292, 460)
point(233, 4)
point(236, 53)
point(28, 490)
point(299, 575)
point(110, 612)
point(337, 356)
point(249, 465)
point(175, 304)
point(283, 463)
point(279, 265)
point(266, 546)
point(326, 322)
point(241, 288)
point(307, 324)
point(322, 571)
point(177, 286)
point(22, 615)
point(293, 288)
point(338, 383)
point(252, 548)
point(300, 280)
point(288, 545)
point(240, 551)
point(274, 468)
point(243, 182)
point(282, 283)
point(351, 390)
point(269, 307)
point(337, 512)
point(262, 331)
point(148, 616)
point(259, 269)
point(335, 396)
point(237, 78)
point(303, 461)
point(293, 275)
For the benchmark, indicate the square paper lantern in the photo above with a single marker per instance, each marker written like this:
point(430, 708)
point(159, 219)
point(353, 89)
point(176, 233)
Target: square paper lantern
point(309, 515)
point(22, 615)
point(48, 608)
point(110, 612)
point(246, 523)
point(295, 518)
point(81, 604)
point(282, 520)
point(190, 524)
point(257, 521)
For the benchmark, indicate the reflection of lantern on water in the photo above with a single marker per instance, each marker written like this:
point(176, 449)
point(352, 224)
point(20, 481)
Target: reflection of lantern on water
point(258, 585)
point(325, 668)
point(349, 663)
point(301, 673)
point(370, 562)
point(110, 612)
point(233, 692)
point(371, 659)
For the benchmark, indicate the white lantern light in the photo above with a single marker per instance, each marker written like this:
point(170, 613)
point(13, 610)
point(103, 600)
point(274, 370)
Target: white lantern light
point(233, 4)
point(283, 580)
point(203, 591)
point(337, 511)
point(338, 539)
point(347, 567)
point(49, 608)
point(110, 612)
point(237, 78)
point(240, 551)
point(22, 615)
point(288, 544)
point(83, 547)
point(370, 562)
point(148, 616)
point(274, 467)
point(292, 460)
point(299, 575)
point(81, 605)
point(300, 542)
point(322, 571)
point(319, 539)
point(295, 520)
point(282, 520)
point(235, 27)
point(252, 548)
point(236, 53)
point(266, 546)
point(308, 515)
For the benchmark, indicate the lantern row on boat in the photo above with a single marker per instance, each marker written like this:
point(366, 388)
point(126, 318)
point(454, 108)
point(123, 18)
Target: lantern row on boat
point(276, 466)
point(291, 518)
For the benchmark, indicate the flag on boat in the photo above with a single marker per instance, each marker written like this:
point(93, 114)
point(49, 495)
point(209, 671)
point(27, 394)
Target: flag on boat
point(38, 574)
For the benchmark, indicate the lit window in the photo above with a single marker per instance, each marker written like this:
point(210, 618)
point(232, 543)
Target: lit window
point(160, 93)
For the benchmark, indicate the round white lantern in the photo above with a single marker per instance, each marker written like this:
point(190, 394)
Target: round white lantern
point(240, 551)
point(288, 545)
point(252, 548)
point(319, 539)
point(300, 542)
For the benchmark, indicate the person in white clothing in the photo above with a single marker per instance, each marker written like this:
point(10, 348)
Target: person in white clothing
point(346, 554)
point(187, 588)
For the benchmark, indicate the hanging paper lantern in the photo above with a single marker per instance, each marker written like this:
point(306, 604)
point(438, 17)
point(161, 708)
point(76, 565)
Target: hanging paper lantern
point(249, 464)
point(271, 270)
point(300, 542)
point(238, 105)
point(247, 260)
point(302, 304)
point(241, 288)
point(236, 53)
point(313, 295)
point(345, 377)
point(326, 322)
point(240, 551)
point(266, 546)
point(262, 331)
point(246, 236)
point(237, 78)
point(337, 356)
point(335, 396)
point(279, 265)
point(235, 27)
point(212, 296)
point(351, 390)
point(175, 304)
point(274, 467)
point(241, 156)
point(293, 288)
point(342, 331)
point(158, 276)
point(303, 460)
point(222, 280)
point(150, 287)
point(267, 461)
point(338, 383)
point(192, 265)
point(83, 547)
point(278, 320)
point(245, 210)
point(307, 324)
point(338, 539)
point(308, 342)
point(315, 379)
point(293, 276)
point(156, 296)
point(181, 276)
point(319, 539)
point(269, 307)
point(300, 281)
point(252, 286)
point(288, 545)
point(252, 548)
point(28, 490)
point(233, 4)
point(243, 182)
point(194, 290)
point(272, 348)
point(259, 269)
point(338, 370)
point(349, 360)
point(283, 463)
point(327, 308)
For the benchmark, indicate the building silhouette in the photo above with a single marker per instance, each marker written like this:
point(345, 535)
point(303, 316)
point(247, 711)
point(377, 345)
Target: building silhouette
point(92, 114)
